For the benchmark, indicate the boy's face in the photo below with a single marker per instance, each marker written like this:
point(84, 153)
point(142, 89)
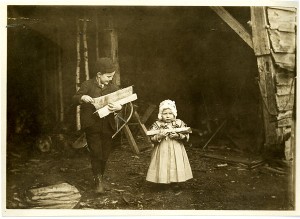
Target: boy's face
point(167, 115)
point(105, 78)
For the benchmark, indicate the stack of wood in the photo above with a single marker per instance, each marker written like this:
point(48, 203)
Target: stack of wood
point(59, 196)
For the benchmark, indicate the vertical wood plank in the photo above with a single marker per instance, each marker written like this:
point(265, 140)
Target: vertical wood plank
point(261, 43)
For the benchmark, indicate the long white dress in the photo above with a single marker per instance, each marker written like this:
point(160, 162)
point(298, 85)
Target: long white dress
point(169, 160)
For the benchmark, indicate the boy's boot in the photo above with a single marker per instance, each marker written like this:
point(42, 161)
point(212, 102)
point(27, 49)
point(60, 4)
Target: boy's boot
point(99, 189)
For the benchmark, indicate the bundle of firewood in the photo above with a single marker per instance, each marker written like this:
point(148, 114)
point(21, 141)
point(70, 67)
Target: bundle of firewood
point(59, 196)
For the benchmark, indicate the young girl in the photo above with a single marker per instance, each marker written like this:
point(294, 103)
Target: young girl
point(169, 161)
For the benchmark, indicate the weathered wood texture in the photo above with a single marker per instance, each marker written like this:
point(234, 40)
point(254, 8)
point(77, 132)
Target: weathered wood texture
point(261, 42)
point(234, 24)
point(281, 19)
point(285, 60)
point(60, 196)
point(282, 38)
point(283, 42)
point(262, 49)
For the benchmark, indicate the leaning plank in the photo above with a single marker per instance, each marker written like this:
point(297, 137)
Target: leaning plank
point(131, 140)
point(105, 111)
point(102, 101)
point(234, 24)
point(284, 42)
point(282, 20)
point(183, 130)
point(286, 61)
point(148, 113)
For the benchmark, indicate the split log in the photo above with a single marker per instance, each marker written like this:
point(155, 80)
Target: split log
point(102, 101)
point(105, 111)
point(184, 130)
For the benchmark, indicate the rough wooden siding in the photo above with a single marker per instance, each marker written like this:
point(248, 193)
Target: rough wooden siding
point(274, 44)
point(282, 35)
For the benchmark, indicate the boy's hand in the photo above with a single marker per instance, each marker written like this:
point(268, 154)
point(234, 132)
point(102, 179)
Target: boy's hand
point(114, 107)
point(87, 99)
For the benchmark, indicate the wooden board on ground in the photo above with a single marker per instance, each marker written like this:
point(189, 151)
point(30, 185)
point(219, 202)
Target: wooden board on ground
point(251, 163)
point(59, 196)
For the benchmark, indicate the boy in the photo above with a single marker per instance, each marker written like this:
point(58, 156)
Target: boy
point(98, 130)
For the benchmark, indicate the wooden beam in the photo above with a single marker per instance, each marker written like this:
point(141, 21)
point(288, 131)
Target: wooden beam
point(261, 42)
point(234, 24)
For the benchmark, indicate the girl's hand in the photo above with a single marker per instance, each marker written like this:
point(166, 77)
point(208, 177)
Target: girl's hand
point(114, 106)
point(161, 135)
point(174, 135)
point(87, 99)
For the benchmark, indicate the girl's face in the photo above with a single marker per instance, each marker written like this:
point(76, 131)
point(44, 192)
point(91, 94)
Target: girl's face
point(106, 77)
point(167, 115)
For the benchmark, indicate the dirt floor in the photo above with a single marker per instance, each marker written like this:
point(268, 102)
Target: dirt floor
point(217, 184)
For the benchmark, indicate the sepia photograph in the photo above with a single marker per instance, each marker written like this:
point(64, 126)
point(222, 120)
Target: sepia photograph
point(147, 109)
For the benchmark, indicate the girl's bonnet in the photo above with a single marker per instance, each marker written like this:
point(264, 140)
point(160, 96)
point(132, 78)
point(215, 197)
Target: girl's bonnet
point(167, 104)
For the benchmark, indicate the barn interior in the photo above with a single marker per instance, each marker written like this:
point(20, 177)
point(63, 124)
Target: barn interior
point(187, 54)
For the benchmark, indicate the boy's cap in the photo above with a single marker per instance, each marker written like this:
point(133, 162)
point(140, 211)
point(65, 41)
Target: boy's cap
point(105, 65)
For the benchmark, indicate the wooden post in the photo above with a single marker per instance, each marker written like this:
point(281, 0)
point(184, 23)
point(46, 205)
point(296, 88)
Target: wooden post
point(78, 126)
point(60, 83)
point(261, 46)
point(85, 48)
point(114, 50)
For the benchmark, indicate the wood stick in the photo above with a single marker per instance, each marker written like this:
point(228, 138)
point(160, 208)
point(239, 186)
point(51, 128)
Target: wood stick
point(216, 132)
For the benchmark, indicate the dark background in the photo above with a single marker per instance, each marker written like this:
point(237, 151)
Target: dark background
point(187, 54)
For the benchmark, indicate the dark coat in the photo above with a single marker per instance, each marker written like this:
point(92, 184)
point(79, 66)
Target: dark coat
point(87, 116)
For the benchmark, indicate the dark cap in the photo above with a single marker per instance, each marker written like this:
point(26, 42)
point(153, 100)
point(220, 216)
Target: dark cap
point(105, 65)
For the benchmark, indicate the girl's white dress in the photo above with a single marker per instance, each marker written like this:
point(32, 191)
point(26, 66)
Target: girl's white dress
point(169, 161)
